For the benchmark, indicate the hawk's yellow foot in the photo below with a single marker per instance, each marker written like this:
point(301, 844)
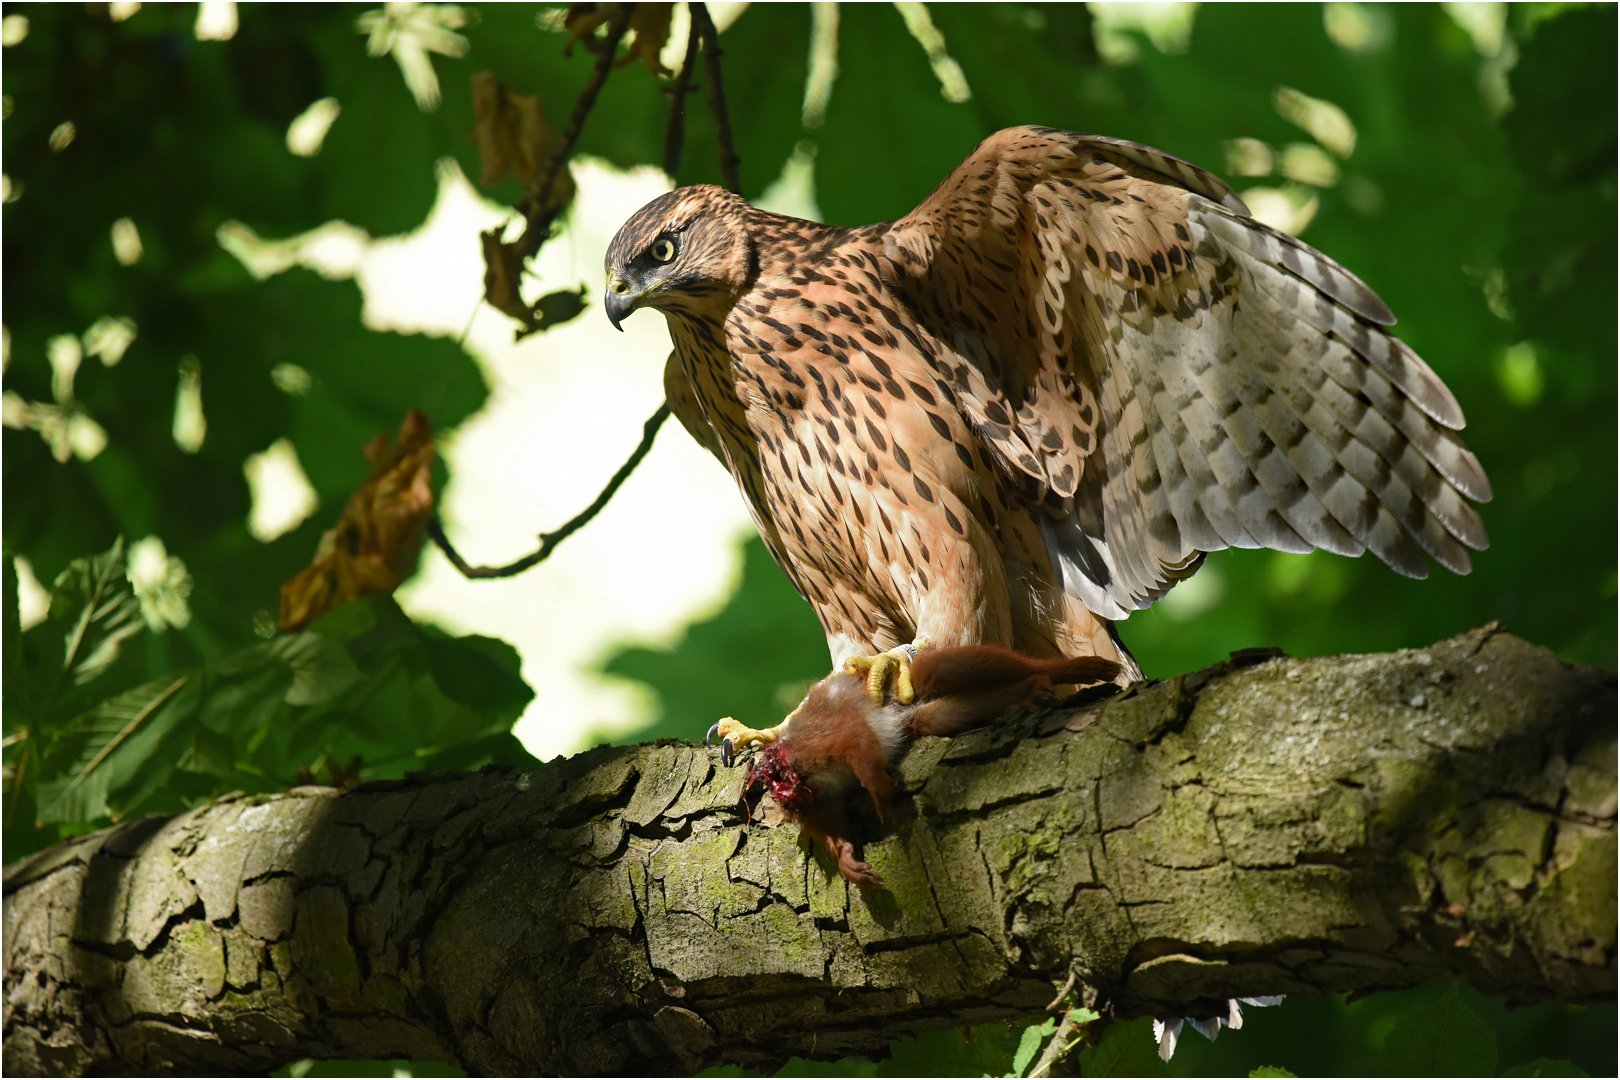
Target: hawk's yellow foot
point(879, 668)
point(735, 736)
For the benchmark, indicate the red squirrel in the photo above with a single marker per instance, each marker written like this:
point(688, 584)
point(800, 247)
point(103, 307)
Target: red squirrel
point(839, 735)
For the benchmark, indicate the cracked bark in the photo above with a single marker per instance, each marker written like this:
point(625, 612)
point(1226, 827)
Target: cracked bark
point(1281, 827)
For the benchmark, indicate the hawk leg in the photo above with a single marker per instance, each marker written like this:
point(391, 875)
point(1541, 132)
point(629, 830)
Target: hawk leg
point(879, 667)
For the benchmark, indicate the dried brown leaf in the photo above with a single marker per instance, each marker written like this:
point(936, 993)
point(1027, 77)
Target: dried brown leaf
point(375, 544)
point(651, 25)
point(503, 271)
point(514, 136)
point(581, 22)
point(649, 22)
point(503, 274)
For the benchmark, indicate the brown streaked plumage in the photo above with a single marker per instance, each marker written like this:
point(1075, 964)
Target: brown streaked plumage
point(1030, 406)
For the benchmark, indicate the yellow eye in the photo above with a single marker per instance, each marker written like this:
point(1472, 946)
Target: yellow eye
point(663, 249)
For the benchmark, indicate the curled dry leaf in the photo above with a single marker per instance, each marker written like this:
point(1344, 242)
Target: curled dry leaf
point(514, 136)
point(649, 23)
point(503, 272)
point(376, 543)
point(581, 21)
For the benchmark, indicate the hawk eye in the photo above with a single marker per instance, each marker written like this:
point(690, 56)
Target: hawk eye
point(662, 250)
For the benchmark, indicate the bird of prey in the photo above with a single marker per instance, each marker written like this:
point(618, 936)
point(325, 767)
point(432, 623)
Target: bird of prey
point(1029, 407)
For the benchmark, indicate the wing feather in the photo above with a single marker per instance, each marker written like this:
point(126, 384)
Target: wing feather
point(1423, 495)
point(1175, 376)
point(1332, 295)
point(1267, 245)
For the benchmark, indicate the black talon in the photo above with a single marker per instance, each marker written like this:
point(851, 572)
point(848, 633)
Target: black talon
point(728, 752)
point(711, 733)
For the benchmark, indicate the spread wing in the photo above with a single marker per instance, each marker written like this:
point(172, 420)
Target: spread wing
point(1171, 375)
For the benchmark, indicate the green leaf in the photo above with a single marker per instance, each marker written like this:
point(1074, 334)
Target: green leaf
point(11, 640)
point(117, 736)
point(1029, 1044)
point(74, 798)
point(348, 621)
point(94, 599)
point(254, 718)
point(1445, 1038)
point(322, 668)
point(1270, 1070)
point(1125, 1049)
point(212, 753)
point(879, 61)
point(481, 673)
point(846, 1066)
point(986, 1049)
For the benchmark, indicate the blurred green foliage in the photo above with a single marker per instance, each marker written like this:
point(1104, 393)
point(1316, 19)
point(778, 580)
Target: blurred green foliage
point(1479, 201)
point(363, 685)
point(1443, 1030)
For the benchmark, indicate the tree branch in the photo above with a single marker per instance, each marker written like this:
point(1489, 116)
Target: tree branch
point(675, 133)
point(703, 27)
point(550, 540)
point(1286, 827)
point(539, 211)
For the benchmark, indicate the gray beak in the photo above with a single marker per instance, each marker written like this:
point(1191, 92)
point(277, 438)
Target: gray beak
point(619, 300)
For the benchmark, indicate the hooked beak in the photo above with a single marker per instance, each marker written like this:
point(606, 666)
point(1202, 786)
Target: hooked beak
point(619, 300)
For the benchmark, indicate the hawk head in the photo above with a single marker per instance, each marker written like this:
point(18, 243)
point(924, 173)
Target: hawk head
point(679, 254)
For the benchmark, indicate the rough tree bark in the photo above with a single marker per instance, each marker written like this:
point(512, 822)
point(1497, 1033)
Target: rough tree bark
point(1280, 827)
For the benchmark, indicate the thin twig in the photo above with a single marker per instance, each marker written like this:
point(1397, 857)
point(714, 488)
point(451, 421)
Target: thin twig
point(1063, 993)
point(466, 330)
point(549, 541)
point(543, 213)
point(703, 25)
point(675, 136)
